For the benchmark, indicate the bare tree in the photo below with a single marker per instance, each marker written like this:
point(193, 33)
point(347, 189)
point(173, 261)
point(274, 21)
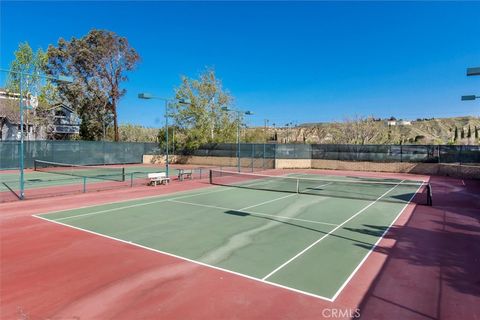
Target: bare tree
point(358, 130)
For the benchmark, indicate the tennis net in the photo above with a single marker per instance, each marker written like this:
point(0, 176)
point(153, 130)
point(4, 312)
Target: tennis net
point(96, 172)
point(358, 188)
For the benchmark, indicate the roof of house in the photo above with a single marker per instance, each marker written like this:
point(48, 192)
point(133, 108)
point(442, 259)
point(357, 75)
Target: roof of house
point(9, 109)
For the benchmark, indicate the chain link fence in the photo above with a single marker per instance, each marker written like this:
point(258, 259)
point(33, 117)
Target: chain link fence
point(468, 154)
point(252, 155)
point(74, 152)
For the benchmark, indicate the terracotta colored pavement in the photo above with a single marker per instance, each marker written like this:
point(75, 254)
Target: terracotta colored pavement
point(54, 272)
point(433, 272)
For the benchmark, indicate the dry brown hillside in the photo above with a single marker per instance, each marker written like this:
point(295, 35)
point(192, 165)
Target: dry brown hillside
point(374, 131)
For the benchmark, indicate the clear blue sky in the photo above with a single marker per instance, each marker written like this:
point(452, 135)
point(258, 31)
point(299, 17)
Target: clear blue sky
point(304, 62)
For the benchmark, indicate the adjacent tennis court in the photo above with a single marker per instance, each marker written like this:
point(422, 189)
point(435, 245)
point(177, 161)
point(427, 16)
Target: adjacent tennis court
point(52, 179)
point(57, 174)
point(264, 228)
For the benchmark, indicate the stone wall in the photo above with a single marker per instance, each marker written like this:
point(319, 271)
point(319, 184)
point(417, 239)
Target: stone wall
point(451, 170)
point(210, 161)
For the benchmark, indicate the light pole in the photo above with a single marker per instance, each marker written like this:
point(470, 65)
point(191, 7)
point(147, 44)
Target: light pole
point(239, 113)
point(148, 96)
point(211, 103)
point(173, 141)
point(22, 109)
point(264, 141)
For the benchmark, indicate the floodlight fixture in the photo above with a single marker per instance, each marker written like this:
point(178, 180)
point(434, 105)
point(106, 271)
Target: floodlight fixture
point(473, 71)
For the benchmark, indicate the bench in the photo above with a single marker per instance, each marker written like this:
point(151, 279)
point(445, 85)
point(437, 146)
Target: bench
point(155, 178)
point(185, 173)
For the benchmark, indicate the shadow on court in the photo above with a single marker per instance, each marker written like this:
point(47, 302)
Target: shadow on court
point(433, 266)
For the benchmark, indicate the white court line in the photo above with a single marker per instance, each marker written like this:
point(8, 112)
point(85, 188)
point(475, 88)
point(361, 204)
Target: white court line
point(329, 233)
point(137, 205)
point(162, 199)
point(373, 247)
point(323, 185)
point(254, 212)
point(187, 259)
point(265, 202)
point(226, 270)
point(161, 196)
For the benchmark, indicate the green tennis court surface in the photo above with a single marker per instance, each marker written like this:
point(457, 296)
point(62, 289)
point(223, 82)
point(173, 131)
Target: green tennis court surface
point(310, 243)
point(38, 179)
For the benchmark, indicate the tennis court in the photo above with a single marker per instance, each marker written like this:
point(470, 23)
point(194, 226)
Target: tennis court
point(305, 233)
point(53, 179)
point(61, 176)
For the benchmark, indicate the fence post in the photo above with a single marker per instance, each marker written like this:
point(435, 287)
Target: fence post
point(275, 156)
point(253, 155)
point(263, 157)
point(104, 153)
point(460, 155)
point(239, 164)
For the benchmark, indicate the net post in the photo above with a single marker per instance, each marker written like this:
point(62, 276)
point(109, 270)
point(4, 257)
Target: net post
point(298, 188)
point(34, 165)
point(123, 174)
point(131, 180)
point(210, 176)
point(84, 184)
point(429, 195)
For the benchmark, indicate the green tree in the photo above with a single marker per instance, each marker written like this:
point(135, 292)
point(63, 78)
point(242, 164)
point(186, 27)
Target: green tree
point(255, 135)
point(98, 62)
point(173, 139)
point(134, 133)
point(476, 132)
point(469, 134)
point(203, 120)
point(462, 133)
point(455, 137)
point(32, 64)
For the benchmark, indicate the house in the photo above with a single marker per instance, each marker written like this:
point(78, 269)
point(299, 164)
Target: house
point(10, 120)
point(392, 121)
point(55, 122)
point(404, 122)
point(65, 121)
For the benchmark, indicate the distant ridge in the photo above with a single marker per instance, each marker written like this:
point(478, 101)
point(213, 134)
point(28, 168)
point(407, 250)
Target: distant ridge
point(379, 131)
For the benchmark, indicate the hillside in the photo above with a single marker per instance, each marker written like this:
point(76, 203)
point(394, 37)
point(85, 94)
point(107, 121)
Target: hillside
point(431, 131)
